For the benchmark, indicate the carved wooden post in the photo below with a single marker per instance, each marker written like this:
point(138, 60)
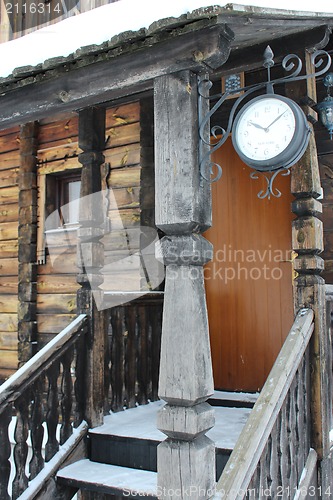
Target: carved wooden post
point(27, 241)
point(91, 253)
point(186, 459)
point(307, 239)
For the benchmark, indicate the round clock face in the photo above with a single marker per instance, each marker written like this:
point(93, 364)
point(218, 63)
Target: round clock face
point(270, 132)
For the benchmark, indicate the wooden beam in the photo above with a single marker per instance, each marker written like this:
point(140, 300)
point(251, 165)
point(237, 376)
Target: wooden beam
point(62, 90)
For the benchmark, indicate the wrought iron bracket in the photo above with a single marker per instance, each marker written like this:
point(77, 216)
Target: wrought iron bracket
point(212, 138)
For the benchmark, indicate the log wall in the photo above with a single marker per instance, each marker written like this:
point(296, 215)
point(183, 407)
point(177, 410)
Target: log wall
point(128, 207)
point(58, 154)
point(9, 166)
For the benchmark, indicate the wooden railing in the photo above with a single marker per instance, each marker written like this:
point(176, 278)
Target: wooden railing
point(133, 354)
point(46, 395)
point(273, 456)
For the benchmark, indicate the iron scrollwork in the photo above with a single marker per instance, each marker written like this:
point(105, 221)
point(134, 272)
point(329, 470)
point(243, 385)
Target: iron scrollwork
point(292, 64)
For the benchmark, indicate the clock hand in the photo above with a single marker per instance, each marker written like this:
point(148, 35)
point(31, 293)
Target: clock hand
point(276, 119)
point(257, 125)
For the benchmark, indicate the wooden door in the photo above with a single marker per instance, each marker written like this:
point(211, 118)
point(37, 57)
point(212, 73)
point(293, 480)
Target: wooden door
point(249, 281)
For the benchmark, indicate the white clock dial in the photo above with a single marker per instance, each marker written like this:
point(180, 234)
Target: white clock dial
point(266, 129)
point(270, 132)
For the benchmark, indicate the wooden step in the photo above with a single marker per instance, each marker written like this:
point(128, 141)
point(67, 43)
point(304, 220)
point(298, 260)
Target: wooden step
point(130, 438)
point(109, 479)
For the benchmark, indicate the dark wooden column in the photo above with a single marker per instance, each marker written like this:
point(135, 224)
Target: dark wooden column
point(27, 242)
point(307, 239)
point(186, 459)
point(91, 254)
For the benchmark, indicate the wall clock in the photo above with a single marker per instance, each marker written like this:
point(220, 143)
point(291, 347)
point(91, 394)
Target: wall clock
point(270, 132)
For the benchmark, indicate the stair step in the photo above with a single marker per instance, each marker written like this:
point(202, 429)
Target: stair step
point(109, 479)
point(130, 438)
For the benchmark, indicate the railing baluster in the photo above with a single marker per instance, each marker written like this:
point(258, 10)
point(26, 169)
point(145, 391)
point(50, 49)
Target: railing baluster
point(79, 384)
point(142, 361)
point(66, 395)
point(37, 430)
point(117, 358)
point(5, 449)
point(52, 445)
point(131, 355)
point(20, 481)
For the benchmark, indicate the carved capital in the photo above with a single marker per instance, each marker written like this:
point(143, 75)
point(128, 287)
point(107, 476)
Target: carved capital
point(188, 250)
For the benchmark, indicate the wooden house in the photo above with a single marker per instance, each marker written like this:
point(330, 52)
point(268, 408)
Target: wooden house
point(240, 304)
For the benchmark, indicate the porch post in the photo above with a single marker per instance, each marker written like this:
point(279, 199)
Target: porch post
point(91, 254)
point(186, 459)
point(307, 240)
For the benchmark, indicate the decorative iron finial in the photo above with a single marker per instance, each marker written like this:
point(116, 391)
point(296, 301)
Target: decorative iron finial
point(268, 57)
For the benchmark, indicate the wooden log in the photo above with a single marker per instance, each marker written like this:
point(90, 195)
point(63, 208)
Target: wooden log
point(9, 142)
point(126, 197)
point(8, 303)
point(8, 322)
point(8, 231)
point(124, 218)
point(120, 136)
point(56, 284)
point(63, 261)
point(122, 115)
point(8, 267)
point(8, 177)
point(9, 195)
point(58, 152)
point(123, 156)
point(55, 303)
point(8, 284)
point(125, 177)
point(59, 166)
point(53, 323)
point(58, 130)
point(10, 160)
point(8, 249)
point(8, 341)
point(9, 212)
point(9, 360)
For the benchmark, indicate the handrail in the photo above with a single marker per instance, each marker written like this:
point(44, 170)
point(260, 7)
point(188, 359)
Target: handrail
point(39, 360)
point(250, 446)
point(49, 390)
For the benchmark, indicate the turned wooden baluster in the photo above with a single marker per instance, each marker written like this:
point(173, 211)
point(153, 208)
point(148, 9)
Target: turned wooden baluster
point(20, 481)
point(37, 430)
point(66, 395)
point(143, 355)
point(79, 384)
point(52, 445)
point(117, 358)
point(131, 355)
point(5, 449)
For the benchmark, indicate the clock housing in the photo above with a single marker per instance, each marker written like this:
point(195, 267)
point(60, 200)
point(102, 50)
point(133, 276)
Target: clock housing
point(270, 132)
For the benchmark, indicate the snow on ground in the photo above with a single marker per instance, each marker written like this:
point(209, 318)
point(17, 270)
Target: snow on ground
point(99, 25)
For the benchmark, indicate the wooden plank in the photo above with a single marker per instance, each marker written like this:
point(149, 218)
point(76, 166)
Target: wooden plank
point(122, 115)
point(8, 231)
point(8, 341)
point(127, 197)
point(9, 160)
point(5, 373)
point(55, 303)
point(58, 130)
point(56, 283)
point(8, 267)
point(308, 486)
point(8, 303)
point(9, 195)
point(123, 156)
point(58, 152)
point(110, 78)
point(8, 177)
point(9, 212)
point(8, 249)
point(8, 284)
point(125, 177)
point(59, 166)
point(252, 441)
point(9, 142)
point(119, 136)
point(62, 262)
point(124, 218)
point(9, 360)
point(53, 323)
point(8, 322)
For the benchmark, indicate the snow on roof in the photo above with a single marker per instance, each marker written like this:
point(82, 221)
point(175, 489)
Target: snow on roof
point(101, 24)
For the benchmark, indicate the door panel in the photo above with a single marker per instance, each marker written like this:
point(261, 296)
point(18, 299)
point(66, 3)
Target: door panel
point(249, 281)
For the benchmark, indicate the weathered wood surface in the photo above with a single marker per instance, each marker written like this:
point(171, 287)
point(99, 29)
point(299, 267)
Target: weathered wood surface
point(23, 395)
point(272, 421)
point(53, 323)
point(192, 50)
point(186, 459)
